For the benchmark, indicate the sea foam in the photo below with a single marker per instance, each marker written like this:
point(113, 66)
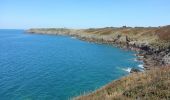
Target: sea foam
point(140, 66)
point(127, 69)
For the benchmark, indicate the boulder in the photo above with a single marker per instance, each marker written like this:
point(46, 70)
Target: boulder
point(134, 70)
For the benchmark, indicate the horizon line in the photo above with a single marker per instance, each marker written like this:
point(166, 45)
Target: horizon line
point(86, 28)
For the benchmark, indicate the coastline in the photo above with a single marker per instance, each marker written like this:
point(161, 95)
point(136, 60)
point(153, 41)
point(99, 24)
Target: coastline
point(151, 48)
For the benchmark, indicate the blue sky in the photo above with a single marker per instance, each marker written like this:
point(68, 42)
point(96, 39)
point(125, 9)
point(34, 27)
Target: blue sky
point(23, 14)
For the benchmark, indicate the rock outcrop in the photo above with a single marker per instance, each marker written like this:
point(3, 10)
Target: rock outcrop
point(134, 70)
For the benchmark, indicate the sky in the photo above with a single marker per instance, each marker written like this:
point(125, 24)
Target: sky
point(24, 14)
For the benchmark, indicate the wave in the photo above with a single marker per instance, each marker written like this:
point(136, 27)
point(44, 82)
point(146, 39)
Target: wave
point(73, 37)
point(140, 66)
point(127, 69)
point(135, 60)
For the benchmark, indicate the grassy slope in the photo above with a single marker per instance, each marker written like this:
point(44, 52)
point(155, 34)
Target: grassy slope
point(149, 85)
point(155, 36)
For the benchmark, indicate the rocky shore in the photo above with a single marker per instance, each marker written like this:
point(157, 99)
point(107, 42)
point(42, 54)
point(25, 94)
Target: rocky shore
point(151, 43)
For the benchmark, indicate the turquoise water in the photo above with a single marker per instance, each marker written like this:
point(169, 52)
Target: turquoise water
point(43, 67)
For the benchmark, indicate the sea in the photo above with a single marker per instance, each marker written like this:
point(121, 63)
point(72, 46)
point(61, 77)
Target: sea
point(53, 67)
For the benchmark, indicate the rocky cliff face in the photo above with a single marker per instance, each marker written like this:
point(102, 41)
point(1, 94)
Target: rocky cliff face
point(153, 43)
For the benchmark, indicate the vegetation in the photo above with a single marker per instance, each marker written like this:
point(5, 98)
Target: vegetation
point(164, 32)
point(150, 85)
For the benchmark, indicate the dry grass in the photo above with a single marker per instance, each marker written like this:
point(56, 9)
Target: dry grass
point(149, 85)
point(161, 32)
point(164, 32)
point(100, 31)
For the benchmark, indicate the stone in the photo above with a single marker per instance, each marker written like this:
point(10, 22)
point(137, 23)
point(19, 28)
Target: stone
point(134, 70)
